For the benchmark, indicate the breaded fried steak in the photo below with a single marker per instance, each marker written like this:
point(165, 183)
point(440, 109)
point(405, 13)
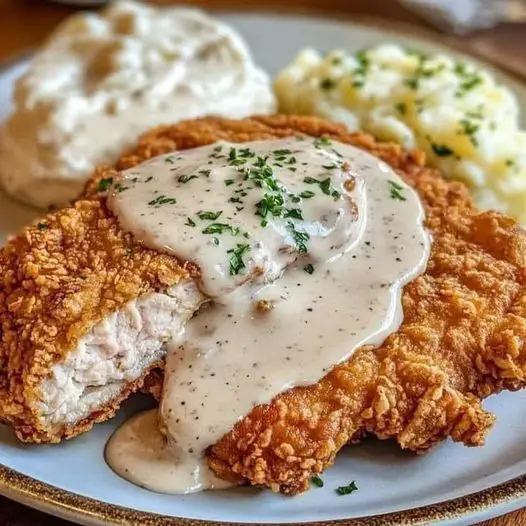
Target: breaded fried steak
point(86, 312)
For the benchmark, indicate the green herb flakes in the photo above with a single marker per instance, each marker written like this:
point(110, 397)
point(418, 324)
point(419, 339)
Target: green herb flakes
point(347, 490)
point(321, 142)
point(209, 216)
point(186, 178)
point(396, 190)
point(309, 269)
point(300, 238)
point(162, 200)
point(401, 108)
point(327, 84)
point(105, 184)
point(236, 263)
point(441, 150)
point(219, 228)
point(316, 479)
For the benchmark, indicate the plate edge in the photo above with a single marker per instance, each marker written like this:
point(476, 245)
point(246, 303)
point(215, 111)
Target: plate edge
point(24, 489)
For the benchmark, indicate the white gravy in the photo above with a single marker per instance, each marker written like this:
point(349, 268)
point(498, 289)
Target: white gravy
point(304, 246)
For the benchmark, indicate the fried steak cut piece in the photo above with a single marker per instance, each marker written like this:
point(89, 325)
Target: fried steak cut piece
point(72, 282)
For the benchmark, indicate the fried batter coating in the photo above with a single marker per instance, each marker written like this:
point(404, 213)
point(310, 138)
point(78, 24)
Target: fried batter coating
point(57, 279)
point(461, 339)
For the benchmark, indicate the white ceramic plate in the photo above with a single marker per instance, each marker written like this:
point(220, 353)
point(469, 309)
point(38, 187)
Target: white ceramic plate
point(450, 485)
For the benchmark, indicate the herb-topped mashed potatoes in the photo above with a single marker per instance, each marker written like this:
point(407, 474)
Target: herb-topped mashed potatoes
point(454, 111)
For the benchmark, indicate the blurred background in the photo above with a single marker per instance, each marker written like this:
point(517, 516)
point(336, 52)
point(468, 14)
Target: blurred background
point(492, 29)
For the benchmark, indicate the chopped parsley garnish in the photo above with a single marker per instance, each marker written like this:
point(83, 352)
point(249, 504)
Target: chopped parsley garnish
point(215, 241)
point(310, 180)
point(232, 155)
point(327, 84)
point(218, 149)
point(412, 83)
point(148, 179)
point(246, 153)
point(396, 191)
point(468, 85)
point(321, 142)
point(347, 490)
point(271, 203)
point(228, 182)
point(294, 213)
point(359, 73)
point(219, 228)
point(281, 153)
point(461, 69)
point(300, 238)
point(169, 160)
point(401, 107)
point(325, 186)
point(42, 226)
point(162, 200)
point(307, 194)
point(510, 162)
point(316, 479)
point(120, 187)
point(470, 128)
point(105, 184)
point(189, 222)
point(206, 173)
point(309, 269)
point(185, 178)
point(236, 263)
point(441, 150)
point(210, 216)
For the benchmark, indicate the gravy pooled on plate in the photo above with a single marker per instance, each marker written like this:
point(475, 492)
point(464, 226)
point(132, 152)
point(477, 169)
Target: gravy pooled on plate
point(303, 246)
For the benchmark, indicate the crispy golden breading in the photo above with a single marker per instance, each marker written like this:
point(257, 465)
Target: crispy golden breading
point(57, 279)
point(464, 324)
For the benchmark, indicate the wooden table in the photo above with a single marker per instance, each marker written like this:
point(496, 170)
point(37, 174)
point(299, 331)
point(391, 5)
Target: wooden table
point(25, 23)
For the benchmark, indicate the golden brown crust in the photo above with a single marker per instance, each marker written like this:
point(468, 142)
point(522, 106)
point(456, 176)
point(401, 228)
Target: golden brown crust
point(57, 279)
point(461, 337)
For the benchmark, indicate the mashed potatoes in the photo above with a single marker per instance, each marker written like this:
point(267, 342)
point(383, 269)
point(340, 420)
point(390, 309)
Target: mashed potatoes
point(466, 123)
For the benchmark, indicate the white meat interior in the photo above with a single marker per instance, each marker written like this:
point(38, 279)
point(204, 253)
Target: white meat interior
point(116, 352)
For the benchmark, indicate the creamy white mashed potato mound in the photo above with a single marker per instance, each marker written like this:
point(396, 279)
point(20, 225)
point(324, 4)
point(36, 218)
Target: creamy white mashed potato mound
point(103, 79)
point(455, 111)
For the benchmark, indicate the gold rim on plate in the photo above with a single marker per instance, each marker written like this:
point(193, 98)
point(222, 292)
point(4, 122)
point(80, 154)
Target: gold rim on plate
point(69, 505)
point(50, 499)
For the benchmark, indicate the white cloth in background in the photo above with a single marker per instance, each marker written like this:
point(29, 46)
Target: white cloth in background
point(462, 16)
